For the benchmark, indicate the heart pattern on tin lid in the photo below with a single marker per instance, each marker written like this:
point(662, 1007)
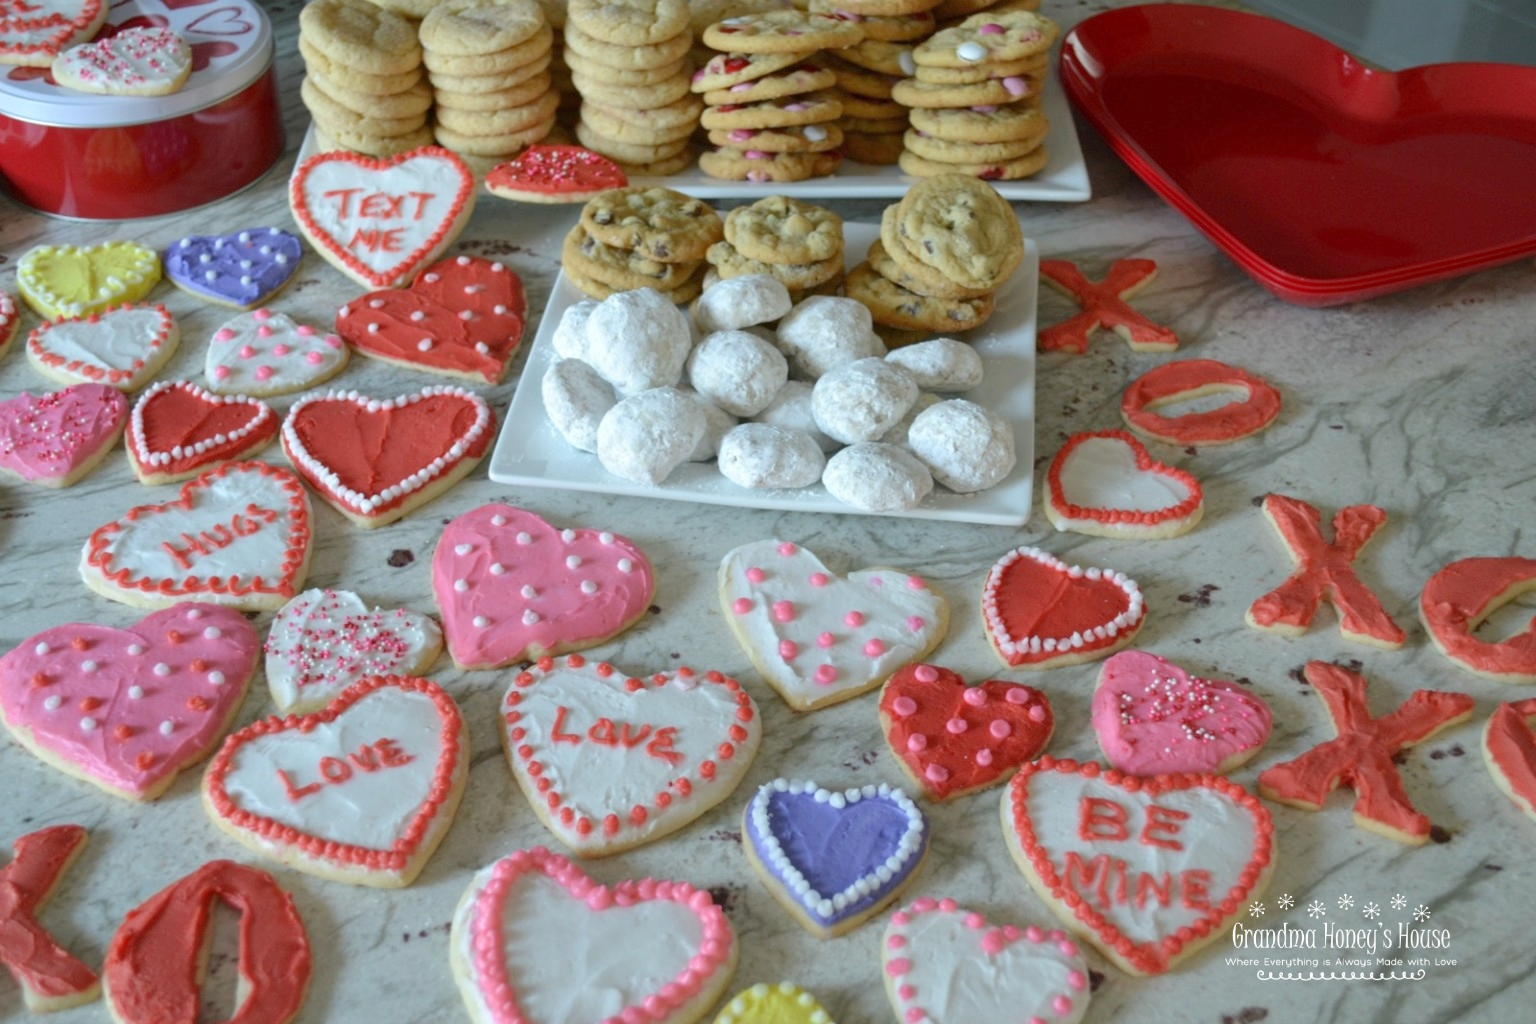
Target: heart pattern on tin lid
point(179, 429)
point(266, 353)
point(949, 965)
point(121, 347)
point(240, 268)
point(45, 439)
point(33, 33)
point(1109, 478)
point(129, 708)
point(76, 281)
point(462, 317)
point(1038, 609)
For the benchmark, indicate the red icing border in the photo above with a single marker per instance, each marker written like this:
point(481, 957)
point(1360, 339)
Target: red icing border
point(95, 373)
point(65, 33)
point(42, 967)
point(1103, 305)
point(1171, 381)
point(1510, 747)
point(1458, 597)
point(1145, 463)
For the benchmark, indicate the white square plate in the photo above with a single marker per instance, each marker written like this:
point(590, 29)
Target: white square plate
point(531, 453)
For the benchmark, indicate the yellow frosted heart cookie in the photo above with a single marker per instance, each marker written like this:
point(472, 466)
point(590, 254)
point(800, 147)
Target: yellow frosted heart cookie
point(784, 1003)
point(67, 280)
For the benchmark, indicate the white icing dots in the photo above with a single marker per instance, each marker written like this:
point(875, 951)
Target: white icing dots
point(529, 591)
point(52, 703)
point(41, 649)
point(167, 727)
point(216, 677)
point(588, 587)
point(573, 561)
point(481, 621)
point(162, 669)
point(212, 633)
point(88, 724)
point(135, 693)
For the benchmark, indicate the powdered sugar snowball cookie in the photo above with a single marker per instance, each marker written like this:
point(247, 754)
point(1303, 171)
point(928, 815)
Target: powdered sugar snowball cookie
point(576, 398)
point(791, 410)
point(638, 340)
point(645, 437)
point(762, 457)
point(897, 435)
point(860, 401)
point(824, 332)
point(717, 423)
point(944, 964)
point(818, 638)
point(739, 302)
point(361, 792)
point(55, 439)
point(877, 477)
point(569, 339)
point(263, 353)
point(941, 364)
point(966, 447)
point(737, 371)
point(536, 941)
point(323, 641)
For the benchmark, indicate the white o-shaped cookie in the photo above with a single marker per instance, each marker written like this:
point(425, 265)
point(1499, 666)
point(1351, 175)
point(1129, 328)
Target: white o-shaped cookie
point(576, 398)
point(737, 371)
point(898, 433)
point(638, 340)
point(941, 364)
point(862, 400)
point(760, 456)
point(791, 409)
point(965, 446)
point(570, 335)
point(717, 423)
point(877, 477)
point(740, 302)
point(646, 436)
point(824, 332)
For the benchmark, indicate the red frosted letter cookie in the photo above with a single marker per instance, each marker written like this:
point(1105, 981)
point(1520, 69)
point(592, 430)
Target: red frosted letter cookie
point(1041, 612)
point(1103, 306)
point(1107, 484)
point(1459, 597)
point(50, 978)
point(1509, 751)
point(1254, 406)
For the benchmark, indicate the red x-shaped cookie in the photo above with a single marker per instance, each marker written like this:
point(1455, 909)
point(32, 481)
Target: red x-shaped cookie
point(1325, 572)
point(1103, 305)
point(49, 976)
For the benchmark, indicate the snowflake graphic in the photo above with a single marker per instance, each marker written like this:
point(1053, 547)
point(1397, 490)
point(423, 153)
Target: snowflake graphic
point(1371, 910)
point(1346, 901)
point(1421, 913)
point(1257, 910)
point(1316, 909)
point(1399, 901)
point(1286, 903)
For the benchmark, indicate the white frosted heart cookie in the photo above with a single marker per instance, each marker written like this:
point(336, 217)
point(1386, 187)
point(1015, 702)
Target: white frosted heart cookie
point(123, 347)
point(263, 353)
point(1106, 484)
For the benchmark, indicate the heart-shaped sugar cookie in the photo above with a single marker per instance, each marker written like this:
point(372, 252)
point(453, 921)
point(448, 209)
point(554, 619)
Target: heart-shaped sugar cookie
point(1107, 484)
point(75, 281)
point(243, 268)
point(784, 1003)
point(56, 438)
point(178, 429)
point(952, 739)
point(126, 709)
point(1152, 717)
point(238, 535)
point(513, 587)
point(360, 792)
point(10, 321)
point(944, 964)
point(462, 317)
point(323, 641)
point(379, 221)
point(1041, 612)
point(1147, 870)
point(535, 939)
point(138, 61)
point(123, 347)
point(818, 638)
point(32, 33)
point(265, 353)
point(610, 762)
point(375, 460)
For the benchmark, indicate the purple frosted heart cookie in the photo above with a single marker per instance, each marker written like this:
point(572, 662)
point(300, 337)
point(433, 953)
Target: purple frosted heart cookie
point(833, 858)
point(242, 269)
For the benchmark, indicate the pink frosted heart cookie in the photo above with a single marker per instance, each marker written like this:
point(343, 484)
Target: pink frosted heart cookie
point(32, 33)
point(57, 438)
point(238, 535)
point(323, 641)
point(1153, 717)
point(1146, 870)
point(264, 353)
point(379, 221)
point(126, 709)
point(177, 430)
point(513, 587)
point(818, 638)
point(123, 347)
point(133, 62)
point(531, 931)
point(611, 761)
point(1042, 613)
point(1107, 484)
point(944, 964)
point(361, 792)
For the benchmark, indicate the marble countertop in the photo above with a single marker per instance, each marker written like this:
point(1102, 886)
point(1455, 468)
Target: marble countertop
point(1423, 403)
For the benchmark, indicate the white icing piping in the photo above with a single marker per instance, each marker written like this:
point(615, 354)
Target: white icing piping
point(1035, 644)
point(141, 444)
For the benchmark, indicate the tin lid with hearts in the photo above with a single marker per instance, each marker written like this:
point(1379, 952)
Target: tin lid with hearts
point(231, 43)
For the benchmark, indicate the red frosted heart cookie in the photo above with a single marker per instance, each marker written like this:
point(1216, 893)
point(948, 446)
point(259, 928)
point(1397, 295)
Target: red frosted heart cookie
point(952, 739)
point(1107, 484)
point(1147, 870)
point(1459, 597)
point(179, 429)
point(375, 460)
point(360, 792)
point(1041, 612)
point(555, 174)
point(462, 317)
point(57, 438)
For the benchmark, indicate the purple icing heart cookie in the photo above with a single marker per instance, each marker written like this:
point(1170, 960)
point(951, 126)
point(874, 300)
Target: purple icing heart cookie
point(242, 269)
point(831, 858)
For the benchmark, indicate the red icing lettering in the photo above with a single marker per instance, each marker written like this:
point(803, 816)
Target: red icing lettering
point(1163, 823)
point(1090, 877)
point(335, 770)
point(626, 735)
point(345, 195)
point(563, 737)
point(222, 535)
point(661, 748)
point(1099, 819)
point(375, 240)
point(40, 965)
point(1197, 888)
point(1109, 881)
point(602, 733)
point(370, 757)
point(296, 793)
point(380, 206)
point(365, 758)
point(390, 755)
point(1149, 884)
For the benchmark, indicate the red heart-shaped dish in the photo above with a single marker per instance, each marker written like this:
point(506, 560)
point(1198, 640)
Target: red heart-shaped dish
point(1328, 181)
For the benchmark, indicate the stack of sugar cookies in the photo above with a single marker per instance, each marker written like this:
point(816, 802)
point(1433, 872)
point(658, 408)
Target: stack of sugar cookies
point(771, 113)
point(488, 63)
point(363, 83)
point(628, 59)
point(635, 237)
point(952, 12)
point(943, 252)
point(975, 95)
point(560, 69)
point(796, 243)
